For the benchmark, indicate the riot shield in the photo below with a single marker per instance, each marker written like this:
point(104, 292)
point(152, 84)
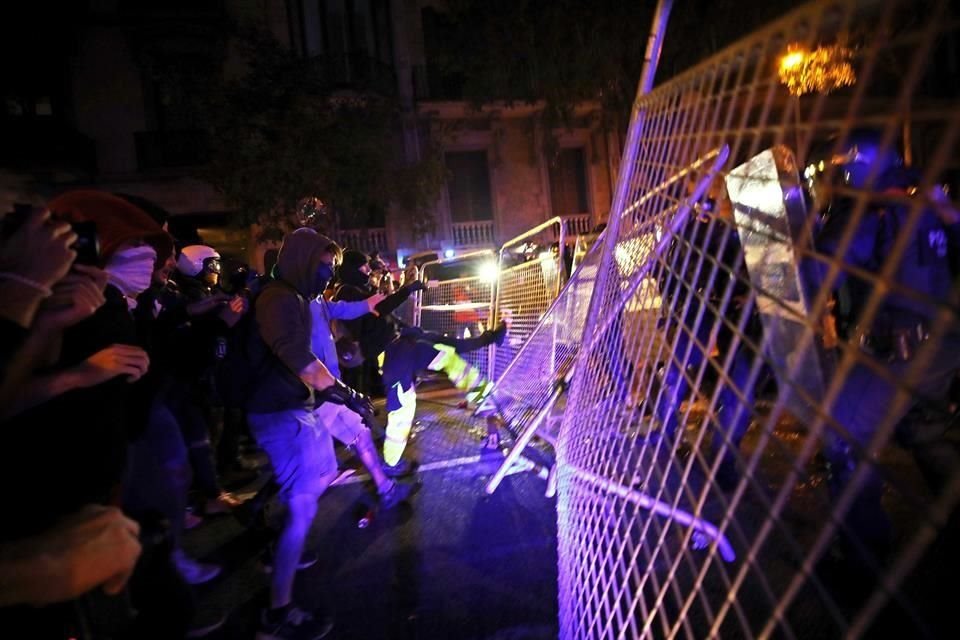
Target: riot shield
point(770, 211)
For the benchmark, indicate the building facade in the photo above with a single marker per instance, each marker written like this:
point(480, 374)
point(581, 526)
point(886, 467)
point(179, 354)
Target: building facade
point(112, 104)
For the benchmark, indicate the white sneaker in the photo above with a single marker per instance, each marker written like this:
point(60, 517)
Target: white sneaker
point(192, 571)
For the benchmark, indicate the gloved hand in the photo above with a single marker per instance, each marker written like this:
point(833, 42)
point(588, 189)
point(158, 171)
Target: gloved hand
point(339, 393)
point(416, 285)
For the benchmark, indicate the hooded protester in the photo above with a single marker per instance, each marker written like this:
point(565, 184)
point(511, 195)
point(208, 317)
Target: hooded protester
point(289, 380)
point(404, 351)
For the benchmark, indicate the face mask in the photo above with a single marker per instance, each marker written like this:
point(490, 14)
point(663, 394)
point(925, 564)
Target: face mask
point(131, 271)
point(324, 276)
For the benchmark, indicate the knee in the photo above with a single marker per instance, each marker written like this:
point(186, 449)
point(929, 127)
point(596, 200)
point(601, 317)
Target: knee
point(325, 481)
point(301, 511)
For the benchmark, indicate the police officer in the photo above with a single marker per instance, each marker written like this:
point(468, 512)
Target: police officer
point(899, 332)
point(200, 343)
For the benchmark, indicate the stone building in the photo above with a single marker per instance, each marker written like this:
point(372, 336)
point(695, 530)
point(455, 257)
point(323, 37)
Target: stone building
point(109, 101)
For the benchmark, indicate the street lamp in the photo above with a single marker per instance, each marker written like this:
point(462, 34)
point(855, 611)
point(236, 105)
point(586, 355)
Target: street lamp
point(822, 70)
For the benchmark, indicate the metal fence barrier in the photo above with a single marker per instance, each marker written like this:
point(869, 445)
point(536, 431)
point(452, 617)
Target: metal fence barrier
point(524, 289)
point(528, 391)
point(771, 349)
point(459, 307)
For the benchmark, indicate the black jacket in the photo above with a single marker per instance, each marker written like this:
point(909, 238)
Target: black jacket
point(373, 332)
point(280, 345)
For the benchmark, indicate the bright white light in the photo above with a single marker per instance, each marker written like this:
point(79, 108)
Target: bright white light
point(488, 272)
point(400, 260)
point(449, 253)
point(630, 253)
point(548, 263)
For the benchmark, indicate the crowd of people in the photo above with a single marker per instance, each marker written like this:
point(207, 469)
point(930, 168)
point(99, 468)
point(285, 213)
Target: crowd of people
point(133, 368)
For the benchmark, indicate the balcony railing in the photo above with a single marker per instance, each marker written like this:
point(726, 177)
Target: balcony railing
point(577, 225)
point(478, 233)
point(168, 149)
point(365, 240)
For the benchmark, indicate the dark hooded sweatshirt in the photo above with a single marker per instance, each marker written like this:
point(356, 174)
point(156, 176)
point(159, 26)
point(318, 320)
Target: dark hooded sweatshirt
point(373, 332)
point(283, 321)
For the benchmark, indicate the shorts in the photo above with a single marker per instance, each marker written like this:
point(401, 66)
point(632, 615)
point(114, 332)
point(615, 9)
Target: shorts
point(299, 448)
point(342, 423)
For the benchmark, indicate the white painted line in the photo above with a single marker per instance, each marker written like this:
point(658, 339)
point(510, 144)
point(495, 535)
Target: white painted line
point(344, 477)
point(524, 464)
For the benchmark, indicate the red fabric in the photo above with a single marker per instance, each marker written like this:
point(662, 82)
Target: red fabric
point(117, 220)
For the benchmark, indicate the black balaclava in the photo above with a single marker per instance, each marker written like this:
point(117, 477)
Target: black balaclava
point(350, 273)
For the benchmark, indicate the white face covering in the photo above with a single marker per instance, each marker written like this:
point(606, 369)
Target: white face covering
point(131, 271)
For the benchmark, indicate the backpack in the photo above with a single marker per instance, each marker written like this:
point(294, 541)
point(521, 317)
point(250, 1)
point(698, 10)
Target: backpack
point(247, 358)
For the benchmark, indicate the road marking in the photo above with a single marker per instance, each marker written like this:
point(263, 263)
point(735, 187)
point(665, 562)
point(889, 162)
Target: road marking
point(523, 464)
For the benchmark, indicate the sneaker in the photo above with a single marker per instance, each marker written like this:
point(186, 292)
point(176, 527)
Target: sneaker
point(224, 503)
point(396, 494)
point(479, 393)
point(293, 623)
point(307, 559)
point(403, 468)
point(194, 572)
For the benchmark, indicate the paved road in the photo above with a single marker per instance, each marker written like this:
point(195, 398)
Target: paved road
point(456, 563)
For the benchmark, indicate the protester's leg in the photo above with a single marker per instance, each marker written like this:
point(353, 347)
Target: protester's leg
point(347, 427)
point(304, 462)
point(401, 410)
point(399, 371)
point(159, 473)
point(462, 374)
point(196, 434)
point(301, 510)
point(466, 345)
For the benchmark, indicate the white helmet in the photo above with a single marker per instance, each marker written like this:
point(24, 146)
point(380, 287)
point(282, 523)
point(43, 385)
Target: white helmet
point(194, 258)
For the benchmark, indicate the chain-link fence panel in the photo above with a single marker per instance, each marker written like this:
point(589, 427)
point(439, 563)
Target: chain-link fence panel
point(459, 307)
point(759, 436)
point(407, 311)
point(546, 355)
point(525, 290)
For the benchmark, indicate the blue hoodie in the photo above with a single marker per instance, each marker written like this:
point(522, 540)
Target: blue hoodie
point(321, 337)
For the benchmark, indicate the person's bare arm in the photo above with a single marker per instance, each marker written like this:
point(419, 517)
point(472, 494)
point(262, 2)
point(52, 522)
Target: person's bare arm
point(234, 310)
point(96, 547)
point(317, 375)
point(32, 259)
point(207, 305)
point(115, 360)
